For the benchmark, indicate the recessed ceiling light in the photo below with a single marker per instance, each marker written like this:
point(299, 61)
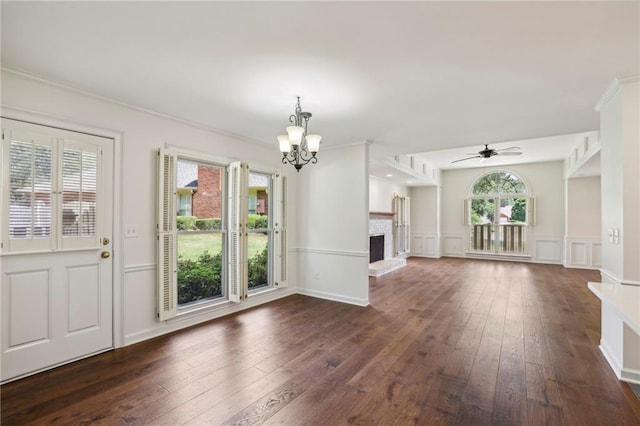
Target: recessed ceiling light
point(409, 181)
point(389, 175)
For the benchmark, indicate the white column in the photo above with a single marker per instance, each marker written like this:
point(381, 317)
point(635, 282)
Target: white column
point(620, 195)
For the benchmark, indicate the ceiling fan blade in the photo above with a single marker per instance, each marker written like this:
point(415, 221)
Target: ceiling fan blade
point(509, 153)
point(464, 159)
point(507, 149)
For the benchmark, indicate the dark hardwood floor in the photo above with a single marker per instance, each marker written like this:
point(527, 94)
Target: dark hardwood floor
point(445, 341)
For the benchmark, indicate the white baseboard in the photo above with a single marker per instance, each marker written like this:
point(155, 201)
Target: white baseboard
point(630, 375)
point(614, 363)
point(426, 256)
point(334, 297)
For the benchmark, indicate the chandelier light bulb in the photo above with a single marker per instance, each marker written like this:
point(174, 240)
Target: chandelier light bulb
point(313, 143)
point(295, 135)
point(285, 146)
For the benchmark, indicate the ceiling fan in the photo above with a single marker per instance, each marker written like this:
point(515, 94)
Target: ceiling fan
point(489, 152)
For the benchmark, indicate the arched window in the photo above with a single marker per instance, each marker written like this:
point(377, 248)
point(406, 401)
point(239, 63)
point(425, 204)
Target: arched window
point(499, 183)
point(499, 211)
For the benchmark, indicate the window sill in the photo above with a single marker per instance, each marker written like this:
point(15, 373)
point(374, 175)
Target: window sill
point(200, 309)
point(217, 305)
point(484, 255)
point(261, 291)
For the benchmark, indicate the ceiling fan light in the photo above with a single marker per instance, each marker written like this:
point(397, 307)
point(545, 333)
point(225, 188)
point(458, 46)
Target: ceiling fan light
point(285, 146)
point(313, 143)
point(295, 135)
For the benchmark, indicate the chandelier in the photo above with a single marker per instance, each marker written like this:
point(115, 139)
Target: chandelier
point(297, 147)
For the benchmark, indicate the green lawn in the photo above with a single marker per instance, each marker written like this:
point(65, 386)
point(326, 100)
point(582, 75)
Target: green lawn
point(191, 246)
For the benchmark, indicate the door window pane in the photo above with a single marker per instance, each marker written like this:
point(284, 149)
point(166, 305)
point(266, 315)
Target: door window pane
point(29, 190)
point(482, 229)
point(79, 177)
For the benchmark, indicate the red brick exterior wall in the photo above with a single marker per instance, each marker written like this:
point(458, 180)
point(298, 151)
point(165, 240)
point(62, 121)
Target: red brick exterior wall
point(207, 201)
point(262, 195)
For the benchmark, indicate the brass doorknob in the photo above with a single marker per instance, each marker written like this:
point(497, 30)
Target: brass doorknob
point(105, 254)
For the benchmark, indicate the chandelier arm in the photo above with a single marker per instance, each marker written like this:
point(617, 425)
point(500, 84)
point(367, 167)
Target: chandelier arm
point(305, 155)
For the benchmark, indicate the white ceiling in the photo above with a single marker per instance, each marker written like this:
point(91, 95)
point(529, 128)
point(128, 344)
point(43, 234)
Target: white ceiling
point(553, 148)
point(408, 77)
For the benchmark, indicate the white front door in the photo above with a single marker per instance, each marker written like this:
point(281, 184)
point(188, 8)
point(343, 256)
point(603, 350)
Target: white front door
point(55, 264)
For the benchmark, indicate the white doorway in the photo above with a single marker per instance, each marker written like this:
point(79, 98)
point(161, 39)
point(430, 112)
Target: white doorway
point(57, 237)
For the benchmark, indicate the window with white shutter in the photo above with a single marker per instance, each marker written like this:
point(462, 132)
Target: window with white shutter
point(212, 246)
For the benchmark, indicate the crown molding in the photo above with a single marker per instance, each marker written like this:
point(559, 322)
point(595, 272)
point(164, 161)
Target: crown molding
point(613, 88)
point(82, 92)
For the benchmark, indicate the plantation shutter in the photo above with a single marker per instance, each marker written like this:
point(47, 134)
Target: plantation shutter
point(28, 159)
point(82, 196)
point(466, 212)
point(236, 257)
point(407, 224)
point(167, 236)
point(531, 211)
point(280, 231)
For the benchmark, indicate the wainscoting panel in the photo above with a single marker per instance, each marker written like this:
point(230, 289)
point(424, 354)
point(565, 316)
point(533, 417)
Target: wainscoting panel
point(417, 245)
point(425, 245)
point(547, 249)
point(596, 254)
point(578, 253)
point(583, 252)
point(433, 247)
point(453, 245)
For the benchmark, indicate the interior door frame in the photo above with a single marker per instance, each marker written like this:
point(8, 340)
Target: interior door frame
point(117, 226)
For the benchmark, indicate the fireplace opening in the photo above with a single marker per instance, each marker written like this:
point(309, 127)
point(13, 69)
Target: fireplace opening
point(376, 248)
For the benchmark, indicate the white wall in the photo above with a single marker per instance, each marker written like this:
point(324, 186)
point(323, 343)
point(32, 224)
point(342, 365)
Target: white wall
point(620, 152)
point(381, 194)
point(333, 238)
point(425, 221)
point(583, 222)
point(544, 180)
point(630, 234)
point(142, 134)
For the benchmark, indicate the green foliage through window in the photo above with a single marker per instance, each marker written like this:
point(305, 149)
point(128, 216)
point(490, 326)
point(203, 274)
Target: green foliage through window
point(518, 211)
point(199, 279)
point(499, 183)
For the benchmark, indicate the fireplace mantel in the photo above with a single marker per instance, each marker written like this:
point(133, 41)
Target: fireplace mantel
point(385, 214)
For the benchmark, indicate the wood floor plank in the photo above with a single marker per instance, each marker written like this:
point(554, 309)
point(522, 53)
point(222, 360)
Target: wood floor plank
point(444, 341)
point(258, 412)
